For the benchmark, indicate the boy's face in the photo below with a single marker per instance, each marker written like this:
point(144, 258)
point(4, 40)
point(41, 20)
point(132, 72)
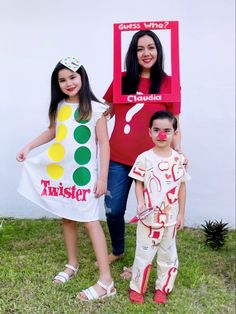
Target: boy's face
point(162, 133)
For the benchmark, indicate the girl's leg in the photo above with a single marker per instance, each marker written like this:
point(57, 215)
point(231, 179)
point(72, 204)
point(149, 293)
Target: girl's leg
point(70, 238)
point(97, 237)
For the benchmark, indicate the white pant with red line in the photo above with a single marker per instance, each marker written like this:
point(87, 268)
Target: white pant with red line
point(150, 242)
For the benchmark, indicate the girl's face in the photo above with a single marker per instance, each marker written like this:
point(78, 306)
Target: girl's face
point(70, 83)
point(146, 53)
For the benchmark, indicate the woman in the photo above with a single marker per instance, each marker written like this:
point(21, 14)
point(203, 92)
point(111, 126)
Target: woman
point(144, 74)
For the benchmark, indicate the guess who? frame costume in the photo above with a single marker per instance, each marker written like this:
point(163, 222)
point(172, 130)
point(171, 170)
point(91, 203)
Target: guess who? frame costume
point(61, 179)
point(156, 233)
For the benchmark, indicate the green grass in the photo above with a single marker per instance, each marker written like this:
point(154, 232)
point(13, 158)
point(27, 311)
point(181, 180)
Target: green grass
point(32, 252)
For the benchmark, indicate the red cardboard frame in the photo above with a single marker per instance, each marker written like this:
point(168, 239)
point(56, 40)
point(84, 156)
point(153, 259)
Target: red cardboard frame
point(174, 95)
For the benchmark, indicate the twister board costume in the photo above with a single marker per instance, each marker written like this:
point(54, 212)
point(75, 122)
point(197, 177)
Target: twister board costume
point(61, 179)
point(162, 178)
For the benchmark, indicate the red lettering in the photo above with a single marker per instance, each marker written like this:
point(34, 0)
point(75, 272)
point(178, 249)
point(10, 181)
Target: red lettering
point(67, 192)
point(60, 189)
point(73, 189)
point(79, 192)
point(130, 26)
point(53, 191)
point(45, 184)
point(84, 194)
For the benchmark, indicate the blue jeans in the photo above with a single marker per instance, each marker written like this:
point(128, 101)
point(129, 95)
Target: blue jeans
point(119, 184)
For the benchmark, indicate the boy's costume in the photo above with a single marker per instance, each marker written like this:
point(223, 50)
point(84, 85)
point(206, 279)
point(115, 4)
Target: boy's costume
point(162, 178)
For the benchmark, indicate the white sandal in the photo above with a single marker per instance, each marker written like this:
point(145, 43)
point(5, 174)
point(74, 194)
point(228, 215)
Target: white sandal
point(92, 294)
point(64, 277)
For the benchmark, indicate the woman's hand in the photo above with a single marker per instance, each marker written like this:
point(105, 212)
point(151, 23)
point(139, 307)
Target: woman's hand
point(185, 161)
point(109, 113)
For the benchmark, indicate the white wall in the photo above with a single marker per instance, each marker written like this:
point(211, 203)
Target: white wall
point(36, 34)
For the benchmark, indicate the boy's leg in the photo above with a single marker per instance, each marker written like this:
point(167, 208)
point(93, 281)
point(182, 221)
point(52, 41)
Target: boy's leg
point(119, 184)
point(167, 261)
point(146, 249)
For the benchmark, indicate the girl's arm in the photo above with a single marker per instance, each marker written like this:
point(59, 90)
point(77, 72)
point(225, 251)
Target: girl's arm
point(43, 138)
point(139, 196)
point(104, 149)
point(182, 200)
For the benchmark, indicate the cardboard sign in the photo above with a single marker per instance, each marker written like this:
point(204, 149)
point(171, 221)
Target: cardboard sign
point(167, 31)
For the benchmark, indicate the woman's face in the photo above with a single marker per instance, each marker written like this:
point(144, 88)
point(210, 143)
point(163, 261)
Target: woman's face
point(146, 53)
point(70, 83)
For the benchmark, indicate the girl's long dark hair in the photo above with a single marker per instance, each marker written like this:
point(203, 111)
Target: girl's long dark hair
point(85, 94)
point(130, 80)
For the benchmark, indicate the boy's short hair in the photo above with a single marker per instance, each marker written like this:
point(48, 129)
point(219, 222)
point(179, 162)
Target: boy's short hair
point(164, 114)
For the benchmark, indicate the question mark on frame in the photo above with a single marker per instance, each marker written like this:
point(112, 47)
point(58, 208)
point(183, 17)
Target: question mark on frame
point(130, 113)
point(165, 24)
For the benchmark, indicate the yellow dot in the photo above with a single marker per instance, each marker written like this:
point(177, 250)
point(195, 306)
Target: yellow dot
point(55, 171)
point(64, 113)
point(56, 152)
point(61, 133)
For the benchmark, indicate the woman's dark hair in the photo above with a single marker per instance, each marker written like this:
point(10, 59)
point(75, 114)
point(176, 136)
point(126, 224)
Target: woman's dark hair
point(164, 114)
point(85, 94)
point(130, 80)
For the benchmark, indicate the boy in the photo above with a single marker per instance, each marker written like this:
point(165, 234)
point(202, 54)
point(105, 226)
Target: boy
point(160, 190)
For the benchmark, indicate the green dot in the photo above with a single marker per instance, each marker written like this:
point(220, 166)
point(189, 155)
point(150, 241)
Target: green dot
point(82, 134)
point(82, 155)
point(81, 176)
point(76, 116)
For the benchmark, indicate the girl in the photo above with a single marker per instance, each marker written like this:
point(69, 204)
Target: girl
point(64, 179)
point(145, 74)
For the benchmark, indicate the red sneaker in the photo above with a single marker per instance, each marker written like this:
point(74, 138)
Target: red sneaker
point(160, 297)
point(136, 297)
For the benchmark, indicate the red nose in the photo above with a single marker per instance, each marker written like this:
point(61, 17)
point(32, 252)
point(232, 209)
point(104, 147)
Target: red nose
point(161, 136)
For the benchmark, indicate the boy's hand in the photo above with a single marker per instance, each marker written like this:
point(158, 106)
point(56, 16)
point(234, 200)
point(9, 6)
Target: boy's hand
point(180, 222)
point(100, 187)
point(141, 207)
